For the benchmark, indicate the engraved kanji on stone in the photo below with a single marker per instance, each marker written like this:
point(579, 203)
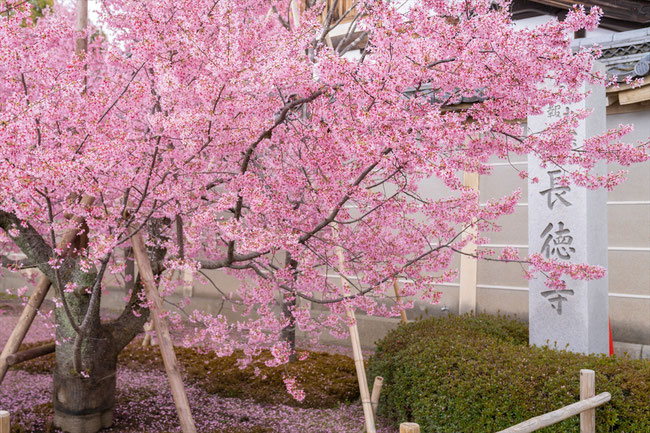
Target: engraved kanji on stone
point(557, 300)
point(558, 242)
point(554, 192)
point(556, 110)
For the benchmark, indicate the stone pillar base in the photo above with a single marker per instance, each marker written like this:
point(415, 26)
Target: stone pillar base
point(83, 423)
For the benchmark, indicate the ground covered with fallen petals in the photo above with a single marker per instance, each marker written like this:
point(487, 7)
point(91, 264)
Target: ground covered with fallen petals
point(144, 403)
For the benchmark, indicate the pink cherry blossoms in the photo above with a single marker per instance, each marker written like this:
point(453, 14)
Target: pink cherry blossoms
point(241, 140)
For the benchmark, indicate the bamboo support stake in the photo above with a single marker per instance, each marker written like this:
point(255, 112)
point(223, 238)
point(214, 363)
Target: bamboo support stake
point(146, 341)
point(24, 323)
point(5, 422)
point(35, 301)
point(409, 427)
point(81, 44)
point(539, 422)
point(376, 390)
point(295, 12)
point(162, 331)
point(398, 298)
point(32, 353)
point(587, 390)
point(357, 354)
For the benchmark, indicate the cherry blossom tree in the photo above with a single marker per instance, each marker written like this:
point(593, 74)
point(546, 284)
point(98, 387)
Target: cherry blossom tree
point(236, 137)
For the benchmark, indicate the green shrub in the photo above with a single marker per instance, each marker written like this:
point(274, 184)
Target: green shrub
point(477, 374)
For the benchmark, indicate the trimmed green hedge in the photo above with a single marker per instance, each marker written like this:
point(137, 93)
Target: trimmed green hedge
point(477, 374)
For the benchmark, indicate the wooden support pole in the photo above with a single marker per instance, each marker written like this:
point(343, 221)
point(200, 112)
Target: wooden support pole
point(81, 25)
point(361, 373)
point(398, 298)
point(24, 323)
point(5, 422)
point(376, 390)
point(146, 341)
point(539, 422)
point(366, 404)
point(162, 331)
point(409, 427)
point(295, 12)
point(32, 353)
point(587, 390)
point(35, 301)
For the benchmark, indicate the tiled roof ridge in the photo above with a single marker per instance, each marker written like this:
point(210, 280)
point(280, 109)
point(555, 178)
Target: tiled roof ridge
point(625, 54)
point(614, 40)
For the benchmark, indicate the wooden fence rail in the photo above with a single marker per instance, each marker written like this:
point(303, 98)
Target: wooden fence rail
point(586, 408)
point(556, 416)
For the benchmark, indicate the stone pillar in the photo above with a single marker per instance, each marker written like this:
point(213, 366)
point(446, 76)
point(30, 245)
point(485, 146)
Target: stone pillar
point(468, 264)
point(568, 223)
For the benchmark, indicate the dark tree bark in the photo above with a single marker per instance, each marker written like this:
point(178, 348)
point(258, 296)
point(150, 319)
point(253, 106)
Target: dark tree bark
point(84, 400)
point(288, 305)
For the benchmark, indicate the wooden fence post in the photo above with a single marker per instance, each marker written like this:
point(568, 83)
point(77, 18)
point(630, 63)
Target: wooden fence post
point(409, 427)
point(5, 424)
point(587, 390)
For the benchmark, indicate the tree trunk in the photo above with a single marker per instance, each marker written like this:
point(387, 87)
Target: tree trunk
point(83, 401)
point(288, 304)
point(85, 404)
point(289, 332)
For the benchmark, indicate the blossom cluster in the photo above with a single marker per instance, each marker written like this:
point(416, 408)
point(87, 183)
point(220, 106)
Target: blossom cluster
point(240, 140)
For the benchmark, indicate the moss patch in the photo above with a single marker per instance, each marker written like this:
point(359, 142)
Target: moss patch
point(328, 379)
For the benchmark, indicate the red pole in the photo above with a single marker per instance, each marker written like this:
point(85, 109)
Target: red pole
point(611, 339)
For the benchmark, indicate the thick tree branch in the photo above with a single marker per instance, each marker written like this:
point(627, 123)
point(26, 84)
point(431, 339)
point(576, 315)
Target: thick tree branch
point(30, 242)
point(16, 264)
